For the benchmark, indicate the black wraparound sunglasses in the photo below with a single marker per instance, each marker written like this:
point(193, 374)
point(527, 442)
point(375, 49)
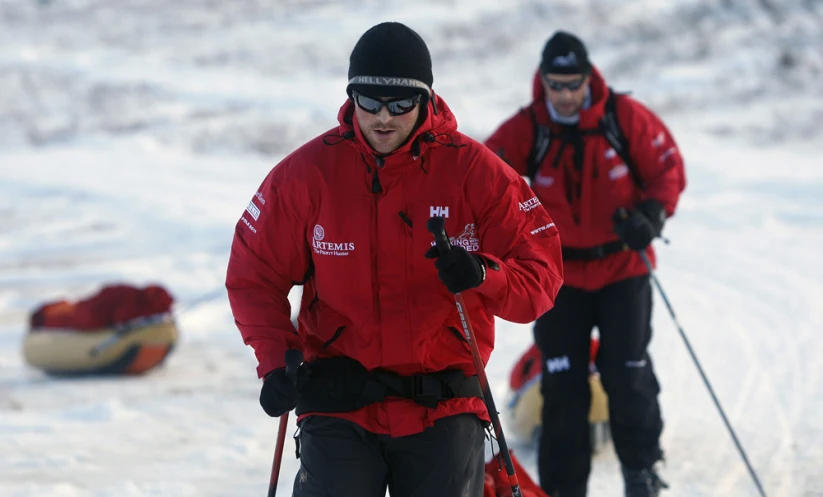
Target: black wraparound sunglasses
point(396, 106)
point(561, 85)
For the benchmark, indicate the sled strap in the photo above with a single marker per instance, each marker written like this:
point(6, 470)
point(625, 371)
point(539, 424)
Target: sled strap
point(341, 384)
point(592, 253)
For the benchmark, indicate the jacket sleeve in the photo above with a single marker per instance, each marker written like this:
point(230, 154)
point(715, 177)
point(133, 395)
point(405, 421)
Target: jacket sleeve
point(512, 141)
point(656, 156)
point(269, 255)
point(520, 243)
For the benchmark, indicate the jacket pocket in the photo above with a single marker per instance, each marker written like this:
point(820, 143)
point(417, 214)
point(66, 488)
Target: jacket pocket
point(323, 325)
point(334, 337)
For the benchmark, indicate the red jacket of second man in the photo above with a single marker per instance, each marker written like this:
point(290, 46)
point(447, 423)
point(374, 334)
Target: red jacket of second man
point(351, 227)
point(583, 202)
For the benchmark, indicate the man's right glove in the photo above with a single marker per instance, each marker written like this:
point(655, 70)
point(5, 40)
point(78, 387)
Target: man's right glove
point(279, 394)
point(639, 227)
point(458, 269)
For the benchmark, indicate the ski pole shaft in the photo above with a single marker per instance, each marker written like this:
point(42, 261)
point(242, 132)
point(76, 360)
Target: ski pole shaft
point(435, 226)
point(278, 454)
point(293, 359)
point(702, 373)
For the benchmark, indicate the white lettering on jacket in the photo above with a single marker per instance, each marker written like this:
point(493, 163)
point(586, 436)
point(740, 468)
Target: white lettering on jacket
point(529, 204)
point(320, 247)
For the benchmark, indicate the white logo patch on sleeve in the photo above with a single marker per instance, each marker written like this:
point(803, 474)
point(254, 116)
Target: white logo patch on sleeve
point(529, 204)
point(253, 210)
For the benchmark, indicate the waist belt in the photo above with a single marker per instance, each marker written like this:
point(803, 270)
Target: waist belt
point(593, 253)
point(342, 384)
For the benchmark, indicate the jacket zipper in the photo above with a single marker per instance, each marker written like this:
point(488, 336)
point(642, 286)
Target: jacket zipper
point(377, 190)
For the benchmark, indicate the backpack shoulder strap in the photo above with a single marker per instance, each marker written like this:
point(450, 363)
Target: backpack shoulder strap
point(540, 146)
point(610, 126)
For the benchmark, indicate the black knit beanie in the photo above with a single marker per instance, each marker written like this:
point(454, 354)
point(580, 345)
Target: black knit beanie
point(564, 53)
point(390, 60)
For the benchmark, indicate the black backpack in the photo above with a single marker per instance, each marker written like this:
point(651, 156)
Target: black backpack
point(609, 127)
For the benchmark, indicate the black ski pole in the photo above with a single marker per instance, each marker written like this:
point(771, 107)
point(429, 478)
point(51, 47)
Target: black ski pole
point(700, 370)
point(435, 225)
point(293, 359)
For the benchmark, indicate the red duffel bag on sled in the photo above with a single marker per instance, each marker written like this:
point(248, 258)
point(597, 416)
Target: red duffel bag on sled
point(497, 481)
point(120, 330)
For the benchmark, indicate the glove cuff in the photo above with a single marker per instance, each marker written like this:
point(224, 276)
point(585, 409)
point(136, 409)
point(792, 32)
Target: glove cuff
point(654, 212)
point(482, 262)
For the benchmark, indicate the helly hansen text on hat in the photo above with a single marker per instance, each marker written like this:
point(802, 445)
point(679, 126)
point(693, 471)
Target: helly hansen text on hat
point(564, 53)
point(390, 60)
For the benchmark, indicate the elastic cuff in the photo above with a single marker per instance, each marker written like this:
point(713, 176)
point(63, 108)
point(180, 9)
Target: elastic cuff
point(482, 263)
point(271, 355)
point(494, 280)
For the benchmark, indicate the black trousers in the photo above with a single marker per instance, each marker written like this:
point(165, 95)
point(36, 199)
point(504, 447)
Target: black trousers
point(340, 459)
point(622, 312)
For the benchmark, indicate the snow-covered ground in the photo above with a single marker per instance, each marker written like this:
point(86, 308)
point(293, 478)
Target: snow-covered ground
point(133, 133)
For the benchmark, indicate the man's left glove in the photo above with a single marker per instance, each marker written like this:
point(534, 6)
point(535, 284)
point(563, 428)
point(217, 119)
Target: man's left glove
point(458, 269)
point(639, 227)
point(279, 394)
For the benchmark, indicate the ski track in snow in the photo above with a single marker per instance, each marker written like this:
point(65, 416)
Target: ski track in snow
point(133, 135)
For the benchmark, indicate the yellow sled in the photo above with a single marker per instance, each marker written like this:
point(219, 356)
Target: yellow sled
point(526, 401)
point(525, 410)
point(133, 350)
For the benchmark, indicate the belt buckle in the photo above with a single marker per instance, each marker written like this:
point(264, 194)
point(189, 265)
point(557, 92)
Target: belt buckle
point(599, 252)
point(426, 390)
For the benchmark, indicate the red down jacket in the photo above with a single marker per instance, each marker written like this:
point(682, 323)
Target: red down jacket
point(369, 292)
point(605, 183)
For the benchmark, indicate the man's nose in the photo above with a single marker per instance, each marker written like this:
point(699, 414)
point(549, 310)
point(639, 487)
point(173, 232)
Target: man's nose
point(384, 116)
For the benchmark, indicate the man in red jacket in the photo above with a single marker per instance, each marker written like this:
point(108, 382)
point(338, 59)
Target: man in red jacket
point(609, 199)
point(388, 394)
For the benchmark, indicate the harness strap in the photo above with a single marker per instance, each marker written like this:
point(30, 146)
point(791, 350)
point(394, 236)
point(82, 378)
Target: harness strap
point(592, 253)
point(341, 384)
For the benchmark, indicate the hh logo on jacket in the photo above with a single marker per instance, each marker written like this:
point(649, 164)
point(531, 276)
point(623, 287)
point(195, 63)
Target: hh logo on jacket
point(438, 211)
point(321, 247)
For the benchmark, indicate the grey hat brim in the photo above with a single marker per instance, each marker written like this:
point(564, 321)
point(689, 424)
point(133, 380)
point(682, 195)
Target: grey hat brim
point(379, 86)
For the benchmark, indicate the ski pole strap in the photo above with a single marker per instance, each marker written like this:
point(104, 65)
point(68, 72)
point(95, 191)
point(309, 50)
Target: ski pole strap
point(342, 384)
point(593, 253)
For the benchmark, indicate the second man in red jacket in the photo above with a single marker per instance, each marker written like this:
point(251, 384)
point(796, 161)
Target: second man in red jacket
point(610, 174)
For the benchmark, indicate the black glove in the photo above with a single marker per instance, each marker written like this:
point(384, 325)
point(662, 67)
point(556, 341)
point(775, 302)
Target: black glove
point(458, 269)
point(279, 394)
point(639, 227)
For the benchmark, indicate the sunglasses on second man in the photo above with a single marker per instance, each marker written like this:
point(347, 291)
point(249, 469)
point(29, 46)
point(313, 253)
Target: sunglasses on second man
point(395, 106)
point(573, 85)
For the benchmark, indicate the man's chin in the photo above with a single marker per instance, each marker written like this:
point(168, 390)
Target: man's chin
point(384, 147)
point(570, 111)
